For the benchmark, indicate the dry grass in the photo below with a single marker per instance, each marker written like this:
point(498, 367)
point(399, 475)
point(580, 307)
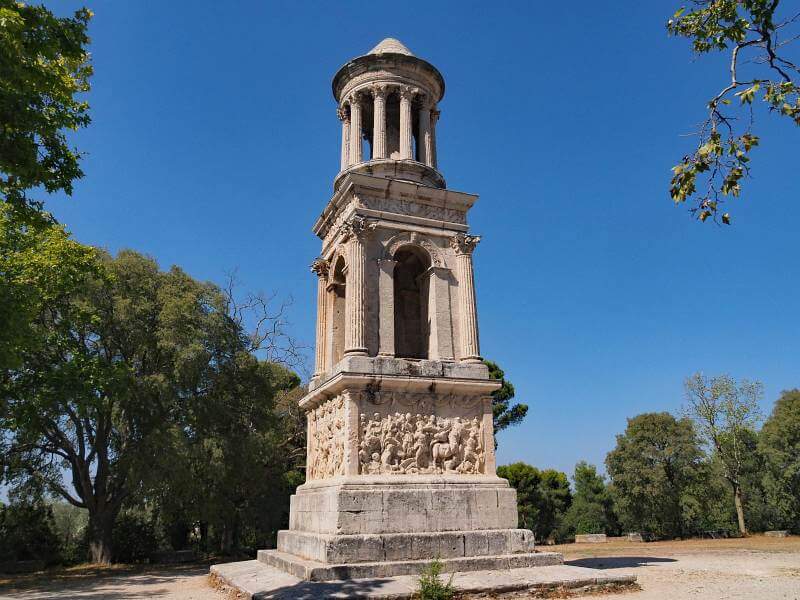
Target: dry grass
point(759, 543)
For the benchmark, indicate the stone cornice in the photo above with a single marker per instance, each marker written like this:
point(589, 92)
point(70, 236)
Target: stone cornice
point(355, 185)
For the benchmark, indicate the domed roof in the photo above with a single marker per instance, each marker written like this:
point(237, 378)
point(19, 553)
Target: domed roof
point(390, 46)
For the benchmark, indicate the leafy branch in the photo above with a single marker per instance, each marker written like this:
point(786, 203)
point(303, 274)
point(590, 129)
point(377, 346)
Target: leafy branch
point(749, 30)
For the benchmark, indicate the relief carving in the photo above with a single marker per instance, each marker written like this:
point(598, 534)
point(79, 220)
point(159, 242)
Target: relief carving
point(416, 209)
point(326, 434)
point(402, 443)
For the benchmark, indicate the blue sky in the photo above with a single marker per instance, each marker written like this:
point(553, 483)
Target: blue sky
point(215, 141)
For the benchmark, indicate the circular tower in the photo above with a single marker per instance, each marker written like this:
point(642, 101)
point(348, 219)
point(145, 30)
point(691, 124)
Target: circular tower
point(387, 102)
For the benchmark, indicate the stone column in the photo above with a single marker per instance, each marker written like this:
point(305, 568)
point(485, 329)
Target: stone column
point(424, 143)
point(355, 130)
point(320, 267)
point(434, 118)
point(406, 94)
point(379, 122)
point(355, 232)
point(344, 117)
point(386, 307)
point(440, 346)
point(469, 349)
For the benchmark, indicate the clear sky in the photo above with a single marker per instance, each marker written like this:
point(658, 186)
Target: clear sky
point(215, 142)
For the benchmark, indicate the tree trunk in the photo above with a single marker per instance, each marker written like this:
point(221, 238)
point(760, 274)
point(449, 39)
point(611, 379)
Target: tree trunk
point(737, 500)
point(100, 545)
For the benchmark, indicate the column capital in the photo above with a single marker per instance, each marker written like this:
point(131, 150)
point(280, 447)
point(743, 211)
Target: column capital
point(379, 90)
point(357, 227)
point(407, 92)
point(464, 243)
point(357, 97)
point(435, 113)
point(343, 113)
point(320, 266)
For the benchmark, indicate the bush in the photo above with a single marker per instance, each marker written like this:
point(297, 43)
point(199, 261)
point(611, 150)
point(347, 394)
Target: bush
point(134, 537)
point(431, 587)
point(28, 532)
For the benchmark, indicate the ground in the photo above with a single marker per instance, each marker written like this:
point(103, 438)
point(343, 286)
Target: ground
point(756, 567)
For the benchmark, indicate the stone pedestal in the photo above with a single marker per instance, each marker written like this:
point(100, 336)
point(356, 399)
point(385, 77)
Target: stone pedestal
point(401, 471)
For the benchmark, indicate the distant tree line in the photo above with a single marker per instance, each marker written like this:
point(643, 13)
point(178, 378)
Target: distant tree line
point(711, 470)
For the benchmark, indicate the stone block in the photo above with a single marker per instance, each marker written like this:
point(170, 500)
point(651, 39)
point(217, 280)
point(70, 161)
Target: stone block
point(778, 533)
point(591, 538)
point(357, 548)
point(355, 500)
point(398, 547)
point(498, 542)
point(424, 547)
point(521, 540)
point(476, 543)
point(451, 545)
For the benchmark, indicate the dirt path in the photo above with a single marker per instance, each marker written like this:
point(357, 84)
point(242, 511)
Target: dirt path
point(756, 568)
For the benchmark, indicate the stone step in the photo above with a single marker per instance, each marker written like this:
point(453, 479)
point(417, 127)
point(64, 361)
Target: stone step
point(253, 580)
point(311, 570)
point(328, 548)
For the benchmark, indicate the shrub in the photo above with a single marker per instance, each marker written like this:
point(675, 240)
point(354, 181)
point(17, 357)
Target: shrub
point(28, 532)
point(134, 537)
point(431, 587)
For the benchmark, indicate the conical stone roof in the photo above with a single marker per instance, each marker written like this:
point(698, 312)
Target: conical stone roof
point(390, 46)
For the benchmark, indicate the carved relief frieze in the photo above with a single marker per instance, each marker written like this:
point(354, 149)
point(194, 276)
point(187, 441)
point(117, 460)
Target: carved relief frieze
point(327, 437)
point(406, 443)
point(416, 209)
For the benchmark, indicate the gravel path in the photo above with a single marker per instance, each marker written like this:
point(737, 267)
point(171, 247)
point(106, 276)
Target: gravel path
point(756, 568)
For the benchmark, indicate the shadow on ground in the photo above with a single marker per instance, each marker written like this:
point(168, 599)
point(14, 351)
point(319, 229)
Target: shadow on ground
point(96, 583)
point(617, 562)
point(307, 590)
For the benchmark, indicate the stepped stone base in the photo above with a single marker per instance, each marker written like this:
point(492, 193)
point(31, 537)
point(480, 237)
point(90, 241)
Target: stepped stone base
point(255, 580)
point(405, 546)
point(311, 570)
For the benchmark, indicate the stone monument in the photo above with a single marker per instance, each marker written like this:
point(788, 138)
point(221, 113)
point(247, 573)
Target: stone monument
point(400, 456)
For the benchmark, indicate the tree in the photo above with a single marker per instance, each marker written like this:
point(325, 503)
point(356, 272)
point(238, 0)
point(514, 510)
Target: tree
point(504, 414)
point(119, 357)
point(39, 267)
point(756, 36)
point(726, 414)
point(652, 468)
point(45, 67)
point(779, 445)
point(592, 509)
point(542, 497)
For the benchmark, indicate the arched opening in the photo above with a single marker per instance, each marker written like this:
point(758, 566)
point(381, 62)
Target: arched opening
point(337, 290)
point(411, 288)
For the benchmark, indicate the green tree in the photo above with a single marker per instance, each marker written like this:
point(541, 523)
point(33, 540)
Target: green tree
point(504, 413)
point(120, 356)
point(652, 468)
point(45, 66)
point(726, 414)
point(757, 36)
point(592, 509)
point(542, 497)
point(779, 445)
point(28, 531)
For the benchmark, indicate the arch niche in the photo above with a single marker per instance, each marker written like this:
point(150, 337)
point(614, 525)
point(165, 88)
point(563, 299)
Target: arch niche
point(411, 302)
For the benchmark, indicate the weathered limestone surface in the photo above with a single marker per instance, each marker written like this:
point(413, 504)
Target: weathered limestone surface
point(778, 533)
point(256, 580)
